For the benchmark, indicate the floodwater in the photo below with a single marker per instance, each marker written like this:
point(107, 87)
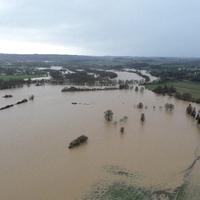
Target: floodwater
point(144, 72)
point(128, 75)
point(146, 162)
point(152, 78)
point(123, 75)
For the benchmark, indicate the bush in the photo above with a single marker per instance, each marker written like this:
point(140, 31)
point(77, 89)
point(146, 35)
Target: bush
point(186, 96)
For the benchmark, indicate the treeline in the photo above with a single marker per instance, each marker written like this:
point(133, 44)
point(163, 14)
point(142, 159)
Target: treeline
point(186, 97)
point(104, 74)
point(175, 74)
point(196, 77)
point(9, 84)
point(83, 77)
point(190, 110)
point(80, 78)
point(165, 90)
point(171, 91)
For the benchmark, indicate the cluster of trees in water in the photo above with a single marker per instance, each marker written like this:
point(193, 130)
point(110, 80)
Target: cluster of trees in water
point(108, 114)
point(190, 110)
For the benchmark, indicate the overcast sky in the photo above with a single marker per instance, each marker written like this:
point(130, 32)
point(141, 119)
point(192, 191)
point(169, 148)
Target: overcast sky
point(101, 27)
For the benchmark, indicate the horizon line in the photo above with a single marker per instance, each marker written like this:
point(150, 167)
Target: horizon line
point(85, 55)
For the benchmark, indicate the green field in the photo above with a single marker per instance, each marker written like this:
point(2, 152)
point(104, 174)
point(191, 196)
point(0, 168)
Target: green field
point(15, 77)
point(181, 86)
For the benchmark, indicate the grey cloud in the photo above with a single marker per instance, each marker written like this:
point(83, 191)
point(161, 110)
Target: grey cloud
point(123, 27)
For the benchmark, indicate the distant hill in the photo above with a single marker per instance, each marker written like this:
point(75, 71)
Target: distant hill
point(92, 60)
point(42, 58)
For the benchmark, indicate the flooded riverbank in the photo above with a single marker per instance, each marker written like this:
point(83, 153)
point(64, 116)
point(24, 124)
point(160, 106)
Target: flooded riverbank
point(148, 158)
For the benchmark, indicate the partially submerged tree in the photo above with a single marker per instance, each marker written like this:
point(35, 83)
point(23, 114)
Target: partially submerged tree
point(31, 97)
point(122, 129)
point(189, 109)
point(193, 114)
point(198, 121)
point(198, 116)
point(169, 106)
point(108, 115)
point(125, 118)
point(142, 118)
point(142, 89)
point(140, 105)
point(192, 111)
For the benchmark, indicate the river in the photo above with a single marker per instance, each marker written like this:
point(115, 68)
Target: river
point(128, 74)
point(36, 163)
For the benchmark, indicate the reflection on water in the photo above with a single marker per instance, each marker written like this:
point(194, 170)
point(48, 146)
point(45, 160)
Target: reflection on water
point(147, 159)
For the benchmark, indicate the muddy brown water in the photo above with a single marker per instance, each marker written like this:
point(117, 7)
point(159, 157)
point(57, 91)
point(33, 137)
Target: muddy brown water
point(37, 165)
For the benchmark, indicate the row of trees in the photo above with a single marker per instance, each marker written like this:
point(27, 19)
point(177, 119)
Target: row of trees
point(8, 84)
point(184, 96)
point(190, 110)
point(172, 91)
point(165, 90)
point(179, 72)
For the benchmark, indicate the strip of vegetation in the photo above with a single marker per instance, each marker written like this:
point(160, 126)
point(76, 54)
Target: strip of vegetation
point(184, 90)
point(78, 89)
point(15, 77)
point(8, 84)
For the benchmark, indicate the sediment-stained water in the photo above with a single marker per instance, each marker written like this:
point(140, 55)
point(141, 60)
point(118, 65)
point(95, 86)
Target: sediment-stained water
point(123, 75)
point(148, 161)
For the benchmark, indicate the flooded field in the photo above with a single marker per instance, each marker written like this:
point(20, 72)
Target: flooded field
point(153, 160)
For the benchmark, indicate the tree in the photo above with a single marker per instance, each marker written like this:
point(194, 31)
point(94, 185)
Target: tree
point(165, 90)
point(198, 121)
point(142, 89)
point(189, 109)
point(140, 105)
point(142, 118)
point(136, 88)
point(178, 95)
point(57, 75)
point(169, 106)
point(198, 116)
point(108, 115)
point(193, 114)
point(187, 96)
point(122, 129)
point(31, 97)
